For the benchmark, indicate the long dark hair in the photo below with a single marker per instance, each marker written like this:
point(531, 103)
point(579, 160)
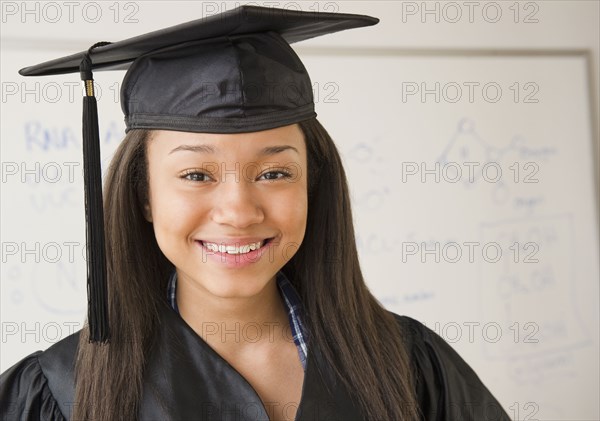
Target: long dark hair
point(359, 339)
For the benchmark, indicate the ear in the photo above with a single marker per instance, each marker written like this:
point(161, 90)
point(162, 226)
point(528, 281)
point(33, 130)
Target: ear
point(147, 213)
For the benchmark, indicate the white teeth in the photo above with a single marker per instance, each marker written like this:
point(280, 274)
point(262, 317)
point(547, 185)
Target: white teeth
point(233, 249)
point(211, 246)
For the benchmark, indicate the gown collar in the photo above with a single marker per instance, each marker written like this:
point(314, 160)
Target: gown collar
point(291, 300)
point(186, 379)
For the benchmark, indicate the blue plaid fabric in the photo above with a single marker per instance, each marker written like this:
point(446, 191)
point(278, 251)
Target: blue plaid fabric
point(293, 306)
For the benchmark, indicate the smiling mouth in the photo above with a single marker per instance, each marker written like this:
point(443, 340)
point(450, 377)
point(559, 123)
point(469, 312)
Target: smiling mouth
point(235, 249)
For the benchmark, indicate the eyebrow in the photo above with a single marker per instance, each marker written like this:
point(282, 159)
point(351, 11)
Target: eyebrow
point(194, 148)
point(272, 150)
point(266, 151)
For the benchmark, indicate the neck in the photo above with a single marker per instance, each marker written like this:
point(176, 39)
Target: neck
point(234, 325)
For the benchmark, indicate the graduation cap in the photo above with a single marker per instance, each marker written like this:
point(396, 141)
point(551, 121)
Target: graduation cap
point(233, 72)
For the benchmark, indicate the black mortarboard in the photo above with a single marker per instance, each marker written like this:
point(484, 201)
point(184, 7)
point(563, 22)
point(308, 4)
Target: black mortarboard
point(229, 73)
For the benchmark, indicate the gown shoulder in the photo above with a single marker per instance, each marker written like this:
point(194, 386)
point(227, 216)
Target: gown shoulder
point(40, 386)
point(25, 394)
point(447, 387)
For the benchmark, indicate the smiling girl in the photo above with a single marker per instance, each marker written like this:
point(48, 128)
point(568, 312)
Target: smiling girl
point(234, 289)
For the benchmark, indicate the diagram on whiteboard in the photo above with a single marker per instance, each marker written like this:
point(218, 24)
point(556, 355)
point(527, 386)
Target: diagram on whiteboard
point(473, 160)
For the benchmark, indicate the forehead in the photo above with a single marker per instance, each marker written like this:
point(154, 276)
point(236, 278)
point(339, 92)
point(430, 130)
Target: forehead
point(268, 142)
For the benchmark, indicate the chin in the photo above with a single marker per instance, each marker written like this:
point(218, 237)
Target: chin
point(237, 285)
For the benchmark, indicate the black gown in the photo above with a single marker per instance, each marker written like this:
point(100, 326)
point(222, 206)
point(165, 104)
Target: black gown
point(185, 379)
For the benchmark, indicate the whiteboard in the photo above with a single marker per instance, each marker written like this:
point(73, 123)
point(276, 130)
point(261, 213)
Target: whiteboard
point(474, 206)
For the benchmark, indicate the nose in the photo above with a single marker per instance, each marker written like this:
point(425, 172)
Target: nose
point(237, 204)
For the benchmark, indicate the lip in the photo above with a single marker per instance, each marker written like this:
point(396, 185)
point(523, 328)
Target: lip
point(235, 261)
point(233, 241)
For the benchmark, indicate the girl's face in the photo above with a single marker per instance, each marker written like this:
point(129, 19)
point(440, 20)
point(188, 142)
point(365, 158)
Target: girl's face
point(228, 210)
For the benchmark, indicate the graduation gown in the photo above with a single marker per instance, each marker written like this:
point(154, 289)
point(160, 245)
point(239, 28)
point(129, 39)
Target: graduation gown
point(186, 379)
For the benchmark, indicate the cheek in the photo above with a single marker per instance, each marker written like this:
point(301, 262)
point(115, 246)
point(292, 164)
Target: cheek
point(175, 225)
point(175, 213)
point(290, 216)
point(290, 212)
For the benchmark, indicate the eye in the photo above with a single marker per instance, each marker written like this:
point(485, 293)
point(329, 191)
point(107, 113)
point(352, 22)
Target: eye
point(275, 175)
point(195, 176)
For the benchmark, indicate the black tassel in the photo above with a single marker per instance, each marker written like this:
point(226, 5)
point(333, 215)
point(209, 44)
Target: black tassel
point(94, 214)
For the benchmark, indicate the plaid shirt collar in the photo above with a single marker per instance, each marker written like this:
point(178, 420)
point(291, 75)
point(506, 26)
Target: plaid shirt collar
point(292, 303)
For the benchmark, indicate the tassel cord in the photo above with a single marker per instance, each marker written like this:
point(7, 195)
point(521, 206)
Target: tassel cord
point(97, 289)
